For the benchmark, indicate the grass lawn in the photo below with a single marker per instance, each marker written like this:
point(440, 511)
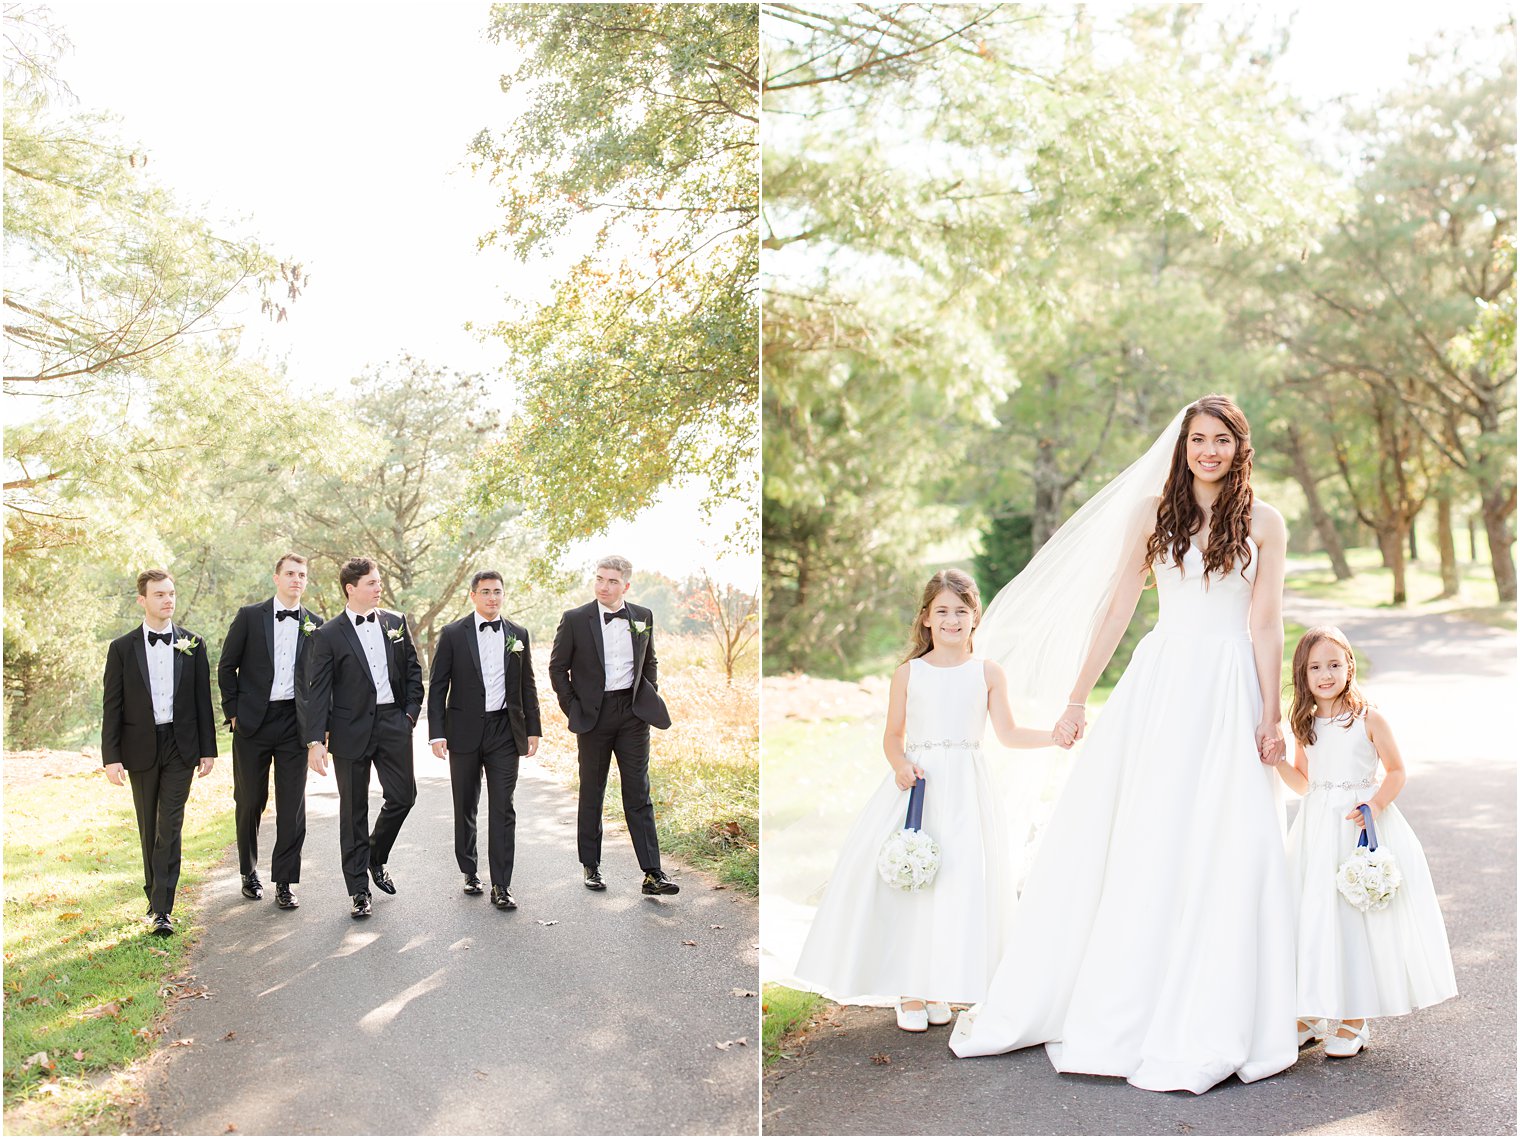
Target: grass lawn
point(784, 1012)
point(704, 772)
point(85, 983)
point(1371, 587)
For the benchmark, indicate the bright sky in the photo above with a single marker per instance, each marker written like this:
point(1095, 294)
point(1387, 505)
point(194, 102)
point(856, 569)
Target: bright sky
point(337, 133)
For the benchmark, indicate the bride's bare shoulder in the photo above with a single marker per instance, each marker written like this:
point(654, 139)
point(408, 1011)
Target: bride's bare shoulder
point(1267, 523)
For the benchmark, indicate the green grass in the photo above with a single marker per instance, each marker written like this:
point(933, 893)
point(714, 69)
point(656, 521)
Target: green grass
point(1371, 587)
point(783, 1013)
point(704, 772)
point(75, 940)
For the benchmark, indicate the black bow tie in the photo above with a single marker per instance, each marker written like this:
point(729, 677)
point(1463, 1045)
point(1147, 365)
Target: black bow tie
point(494, 626)
point(156, 638)
point(360, 620)
point(281, 614)
point(609, 618)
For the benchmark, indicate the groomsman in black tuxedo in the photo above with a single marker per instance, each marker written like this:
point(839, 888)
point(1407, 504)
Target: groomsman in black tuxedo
point(483, 715)
point(605, 675)
point(157, 730)
point(361, 699)
point(262, 661)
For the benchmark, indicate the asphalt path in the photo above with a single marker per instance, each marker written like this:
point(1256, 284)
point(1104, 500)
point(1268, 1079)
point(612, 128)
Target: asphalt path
point(579, 1013)
point(1448, 689)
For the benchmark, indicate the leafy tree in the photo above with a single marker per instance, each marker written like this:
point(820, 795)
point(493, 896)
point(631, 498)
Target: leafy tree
point(731, 617)
point(640, 371)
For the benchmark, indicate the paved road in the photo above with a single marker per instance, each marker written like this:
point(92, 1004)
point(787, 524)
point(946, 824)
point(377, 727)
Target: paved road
point(1448, 687)
point(442, 1015)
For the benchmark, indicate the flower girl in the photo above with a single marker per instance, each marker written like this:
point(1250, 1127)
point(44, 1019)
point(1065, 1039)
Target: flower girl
point(921, 949)
point(1362, 952)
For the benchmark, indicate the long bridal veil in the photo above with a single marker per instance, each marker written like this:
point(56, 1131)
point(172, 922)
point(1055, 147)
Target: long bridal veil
point(1041, 624)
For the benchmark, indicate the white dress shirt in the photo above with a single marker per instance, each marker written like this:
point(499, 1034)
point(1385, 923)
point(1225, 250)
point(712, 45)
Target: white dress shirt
point(286, 636)
point(161, 675)
point(493, 662)
point(373, 640)
point(617, 650)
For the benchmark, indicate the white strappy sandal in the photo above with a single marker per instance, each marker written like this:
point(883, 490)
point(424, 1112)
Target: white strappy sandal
point(1317, 1030)
point(1342, 1047)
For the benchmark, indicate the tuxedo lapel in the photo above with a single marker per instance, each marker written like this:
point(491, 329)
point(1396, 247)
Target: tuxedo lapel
point(392, 649)
point(301, 618)
point(352, 635)
point(640, 644)
point(179, 657)
point(596, 635)
point(472, 639)
point(269, 630)
point(140, 651)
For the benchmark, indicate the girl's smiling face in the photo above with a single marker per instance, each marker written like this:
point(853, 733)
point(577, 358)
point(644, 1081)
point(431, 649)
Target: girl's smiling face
point(1326, 671)
point(950, 620)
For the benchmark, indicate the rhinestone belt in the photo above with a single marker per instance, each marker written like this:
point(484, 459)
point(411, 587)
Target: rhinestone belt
point(926, 745)
point(1326, 785)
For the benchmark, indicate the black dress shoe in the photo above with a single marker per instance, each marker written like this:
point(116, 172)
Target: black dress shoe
point(472, 885)
point(593, 878)
point(502, 899)
point(381, 879)
point(253, 889)
point(283, 897)
point(361, 905)
point(658, 882)
point(162, 926)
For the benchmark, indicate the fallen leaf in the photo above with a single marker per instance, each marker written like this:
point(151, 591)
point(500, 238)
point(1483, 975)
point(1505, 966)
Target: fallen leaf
point(742, 993)
point(715, 927)
point(230, 1127)
point(70, 915)
point(34, 1000)
point(725, 1045)
point(158, 952)
point(50, 1088)
point(688, 943)
point(79, 1055)
point(720, 886)
point(541, 921)
point(185, 1043)
point(143, 1033)
point(110, 1008)
point(40, 1059)
point(478, 1074)
point(230, 1036)
point(881, 1058)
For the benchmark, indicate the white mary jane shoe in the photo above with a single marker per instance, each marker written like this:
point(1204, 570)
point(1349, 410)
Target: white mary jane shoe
point(938, 1012)
point(1317, 1030)
point(1342, 1046)
point(912, 1019)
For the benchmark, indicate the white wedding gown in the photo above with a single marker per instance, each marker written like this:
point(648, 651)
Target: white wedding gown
point(1154, 937)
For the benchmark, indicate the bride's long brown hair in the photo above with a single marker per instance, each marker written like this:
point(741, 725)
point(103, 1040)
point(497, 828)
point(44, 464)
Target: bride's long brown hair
point(958, 582)
point(1179, 516)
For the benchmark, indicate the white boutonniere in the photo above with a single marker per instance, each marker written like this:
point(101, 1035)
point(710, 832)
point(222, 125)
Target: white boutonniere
point(394, 634)
point(188, 645)
point(308, 627)
point(639, 627)
point(514, 645)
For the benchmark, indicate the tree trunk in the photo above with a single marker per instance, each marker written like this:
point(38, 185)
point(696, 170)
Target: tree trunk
point(1048, 492)
point(1472, 538)
point(1414, 549)
point(1498, 510)
point(1324, 525)
point(1391, 542)
point(1451, 580)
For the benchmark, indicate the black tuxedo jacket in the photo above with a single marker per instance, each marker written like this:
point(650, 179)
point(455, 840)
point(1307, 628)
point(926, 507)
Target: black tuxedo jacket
point(338, 698)
point(245, 672)
point(578, 670)
point(457, 687)
point(127, 732)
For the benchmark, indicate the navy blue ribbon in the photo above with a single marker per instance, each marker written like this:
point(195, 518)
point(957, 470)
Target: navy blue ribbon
point(1369, 832)
point(916, 807)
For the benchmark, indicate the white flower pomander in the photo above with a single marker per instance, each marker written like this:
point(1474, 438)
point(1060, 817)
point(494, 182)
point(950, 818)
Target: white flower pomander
point(908, 860)
point(1369, 879)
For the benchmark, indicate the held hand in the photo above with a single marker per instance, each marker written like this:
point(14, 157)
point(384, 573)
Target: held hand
point(532, 747)
point(232, 724)
point(441, 749)
point(316, 758)
point(1270, 748)
point(1071, 726)
point(206, 764)
point(1355, 815)
point(116, 773)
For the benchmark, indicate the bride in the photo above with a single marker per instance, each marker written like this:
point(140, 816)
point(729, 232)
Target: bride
point(1153, 938)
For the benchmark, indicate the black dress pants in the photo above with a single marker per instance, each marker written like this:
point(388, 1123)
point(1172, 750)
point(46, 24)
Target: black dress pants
point(159, 795)
point(276, 742)
point(498, 760)
point(617, 732)
point(390, 755)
